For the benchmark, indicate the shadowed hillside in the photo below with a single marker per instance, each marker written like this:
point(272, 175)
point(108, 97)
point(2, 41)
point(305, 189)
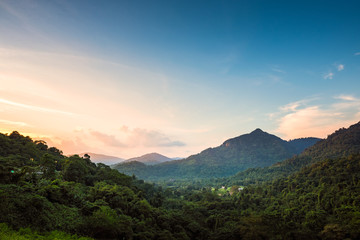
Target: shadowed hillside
point(256, 149)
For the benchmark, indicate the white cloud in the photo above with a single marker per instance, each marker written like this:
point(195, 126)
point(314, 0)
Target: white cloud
point(346, 98)
point(15, 123)
point(148, 138)
point(31, 107)
point(297, 120)
point(109, 140)
point(134, 138)
point(340, 67)
point(329, 76)
point(293, 106)
point(357, 53)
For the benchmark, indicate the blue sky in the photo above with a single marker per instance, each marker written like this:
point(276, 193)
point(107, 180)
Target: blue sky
point(175, 77)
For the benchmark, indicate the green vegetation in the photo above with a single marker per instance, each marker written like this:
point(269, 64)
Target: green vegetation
point(257, 149)
point(7, 233)
point(341, 143)
point(45, 195)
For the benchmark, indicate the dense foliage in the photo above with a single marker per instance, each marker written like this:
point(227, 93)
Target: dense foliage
point(257, 149)
point(7, 233)
point(341, 143)
point(42, 189)
point(45, 195)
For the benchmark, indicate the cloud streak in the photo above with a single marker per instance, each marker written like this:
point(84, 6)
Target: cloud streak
point(34, 108)
point(346, 98)
point(106, 139)
point(134, 138)
point(7, 122)
point(148, 138)
point(329, 76)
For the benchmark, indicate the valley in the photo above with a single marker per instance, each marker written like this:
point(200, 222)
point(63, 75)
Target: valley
point(313, 194)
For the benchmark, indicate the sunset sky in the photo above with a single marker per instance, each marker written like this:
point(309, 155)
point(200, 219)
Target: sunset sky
point(125, 78)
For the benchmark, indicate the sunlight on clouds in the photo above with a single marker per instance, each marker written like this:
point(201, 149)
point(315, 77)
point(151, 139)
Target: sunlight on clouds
point(34, 108)
point(346, 98)
point(125, 142)
point(12, 123)
point(291, 106)
point(148, 138)
point(75, 145)
point(72, 83)
point(306, 122)
point(107, 139)
point(298, 120)
point(41, 86)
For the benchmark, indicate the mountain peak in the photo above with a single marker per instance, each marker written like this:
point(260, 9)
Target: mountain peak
point(257, 131)
point(150, 158)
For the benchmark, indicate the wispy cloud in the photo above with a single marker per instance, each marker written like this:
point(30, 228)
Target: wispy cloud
point(138, 137)
point(304, 120)
point(347, 102)
point(74, 145)
point(148, 138)
point(328, 75)
point(106, 139)
point(34, 108)
point(346, 98)
point(15, 123)
point(357, 53)
point(20, 14)
point(293, 106)
point(277, 70)
point(340, 67)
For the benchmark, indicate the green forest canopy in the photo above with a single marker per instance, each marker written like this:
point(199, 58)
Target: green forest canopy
point(45, 193)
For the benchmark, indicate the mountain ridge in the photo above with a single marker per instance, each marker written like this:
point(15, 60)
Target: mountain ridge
point(341, 143)
point(150, 159)
point(255, 149)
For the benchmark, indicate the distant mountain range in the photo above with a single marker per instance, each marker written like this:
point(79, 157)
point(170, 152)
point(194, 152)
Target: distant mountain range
point(256, 149)
point(150, 159)
point(101, 158)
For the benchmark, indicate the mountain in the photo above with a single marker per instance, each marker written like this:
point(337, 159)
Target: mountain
point(256, 149)
point(101, 158)
point(341, 143)
point(150, 159)
point(42, 190)
point(300, 144)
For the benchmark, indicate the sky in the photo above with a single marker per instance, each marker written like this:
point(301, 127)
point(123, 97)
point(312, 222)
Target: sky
point(126, 78)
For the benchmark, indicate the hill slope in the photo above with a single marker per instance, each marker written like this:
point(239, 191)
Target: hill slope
point(321, 201)
point(341, 143)
point(256, 149)
point(303, 143)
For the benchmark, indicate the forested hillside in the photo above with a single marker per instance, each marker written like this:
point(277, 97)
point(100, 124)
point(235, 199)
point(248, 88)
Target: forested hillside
point(256, 149)
point(46, 191)
point(341, 143)
point(45, 195)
